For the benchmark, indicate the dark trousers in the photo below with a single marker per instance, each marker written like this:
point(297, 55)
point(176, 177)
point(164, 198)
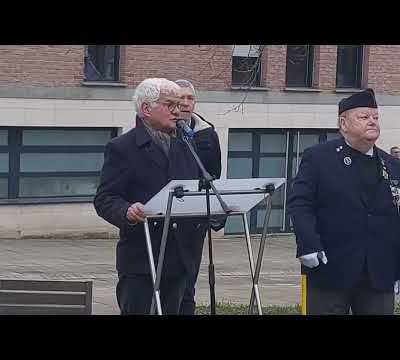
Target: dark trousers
point(188, 305)
point(361, 300)
point(135, 293)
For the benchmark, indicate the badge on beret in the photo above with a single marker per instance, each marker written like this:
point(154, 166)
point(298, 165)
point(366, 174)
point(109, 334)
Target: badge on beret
point(347, 161)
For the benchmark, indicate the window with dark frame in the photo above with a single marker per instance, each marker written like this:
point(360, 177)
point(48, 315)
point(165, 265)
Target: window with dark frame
point(349, 66)
point(246, 65)
point(299, 66)
point(4, 163)
point(102, 62)
point(276, 153)
point(48, 163)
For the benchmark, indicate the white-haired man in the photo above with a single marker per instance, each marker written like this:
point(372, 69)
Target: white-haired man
point(136, 166)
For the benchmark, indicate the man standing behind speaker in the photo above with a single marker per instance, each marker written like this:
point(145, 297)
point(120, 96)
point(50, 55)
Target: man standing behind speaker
point(395, 152)
point(209, 152)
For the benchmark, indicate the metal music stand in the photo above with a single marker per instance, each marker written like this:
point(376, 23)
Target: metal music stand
point(241, 195)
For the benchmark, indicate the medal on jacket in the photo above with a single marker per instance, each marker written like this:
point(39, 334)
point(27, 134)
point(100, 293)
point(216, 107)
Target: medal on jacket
point(385, 173)
point(394, 186)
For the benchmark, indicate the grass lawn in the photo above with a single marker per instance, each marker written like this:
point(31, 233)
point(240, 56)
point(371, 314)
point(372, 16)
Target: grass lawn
point(226, 308)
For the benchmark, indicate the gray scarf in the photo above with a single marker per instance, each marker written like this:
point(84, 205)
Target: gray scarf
point(162, 139)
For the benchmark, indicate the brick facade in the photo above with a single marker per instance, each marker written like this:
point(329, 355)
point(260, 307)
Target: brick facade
point(276, 65)
point(327, 67)
point(384, 69)
point(41, 65)
point(207, 66)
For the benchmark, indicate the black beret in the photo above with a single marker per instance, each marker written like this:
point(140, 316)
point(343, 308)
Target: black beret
point(364, 98)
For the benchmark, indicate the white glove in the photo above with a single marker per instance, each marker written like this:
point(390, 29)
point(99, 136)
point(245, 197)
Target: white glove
point(396, 287)
point(311, 260)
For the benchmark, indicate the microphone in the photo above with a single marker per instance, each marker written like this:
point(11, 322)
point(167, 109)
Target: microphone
point(181, 124)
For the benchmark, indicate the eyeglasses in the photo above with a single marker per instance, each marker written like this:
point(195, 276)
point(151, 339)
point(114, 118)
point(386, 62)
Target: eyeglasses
point(171, 105)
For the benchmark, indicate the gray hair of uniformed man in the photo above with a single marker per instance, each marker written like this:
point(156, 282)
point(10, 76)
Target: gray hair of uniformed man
point(186, 84)
point(344, 114)
point(149, 90)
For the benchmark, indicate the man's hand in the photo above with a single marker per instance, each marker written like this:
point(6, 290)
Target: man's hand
point(312, 260)
point(135, 213)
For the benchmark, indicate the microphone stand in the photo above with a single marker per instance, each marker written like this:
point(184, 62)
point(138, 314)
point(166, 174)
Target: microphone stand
point(206, 182)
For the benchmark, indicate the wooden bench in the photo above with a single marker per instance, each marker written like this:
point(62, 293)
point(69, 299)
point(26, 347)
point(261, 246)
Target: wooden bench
point(43, 297)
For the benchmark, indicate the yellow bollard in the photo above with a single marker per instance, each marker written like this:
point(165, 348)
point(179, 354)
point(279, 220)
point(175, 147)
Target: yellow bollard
point(303, 294)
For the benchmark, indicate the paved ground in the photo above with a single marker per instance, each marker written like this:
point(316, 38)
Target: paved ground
point(95, 259)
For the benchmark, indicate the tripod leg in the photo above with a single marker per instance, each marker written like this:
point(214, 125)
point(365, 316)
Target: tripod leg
point(162, 249)
point(254, 287)
point(152, 267)
point(211, 270)
point(261, 252)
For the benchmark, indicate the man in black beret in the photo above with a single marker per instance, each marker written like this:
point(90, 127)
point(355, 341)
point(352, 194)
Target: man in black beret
point(344, 205)
point(364, 98)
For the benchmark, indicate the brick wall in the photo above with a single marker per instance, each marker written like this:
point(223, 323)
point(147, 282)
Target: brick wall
point(324, 67)
point(327, 67)
point(384, 69)
point(276, 67)
point(208, 67)
point(41, 65)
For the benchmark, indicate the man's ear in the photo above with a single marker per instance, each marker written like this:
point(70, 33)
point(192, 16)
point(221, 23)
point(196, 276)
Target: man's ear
point(146, 109)
point(342, 122)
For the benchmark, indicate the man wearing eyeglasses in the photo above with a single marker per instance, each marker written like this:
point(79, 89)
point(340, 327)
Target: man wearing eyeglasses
point(137, 165)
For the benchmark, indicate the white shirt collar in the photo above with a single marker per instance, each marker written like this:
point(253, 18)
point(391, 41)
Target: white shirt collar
point(370, 152)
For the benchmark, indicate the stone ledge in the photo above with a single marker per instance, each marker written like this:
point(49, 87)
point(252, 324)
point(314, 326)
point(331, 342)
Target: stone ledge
point(22, 235)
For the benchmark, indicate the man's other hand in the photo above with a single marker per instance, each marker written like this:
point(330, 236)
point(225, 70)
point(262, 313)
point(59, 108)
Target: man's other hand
point(135, 213)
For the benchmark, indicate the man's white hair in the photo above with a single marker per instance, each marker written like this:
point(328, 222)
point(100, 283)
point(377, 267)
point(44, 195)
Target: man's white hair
point(149, 90)
point(186, 84)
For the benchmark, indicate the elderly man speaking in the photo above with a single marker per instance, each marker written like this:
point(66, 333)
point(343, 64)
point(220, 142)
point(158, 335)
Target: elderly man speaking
point(137, 165)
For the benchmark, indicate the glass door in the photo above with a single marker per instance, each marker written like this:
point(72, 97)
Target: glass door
point(269, 153)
